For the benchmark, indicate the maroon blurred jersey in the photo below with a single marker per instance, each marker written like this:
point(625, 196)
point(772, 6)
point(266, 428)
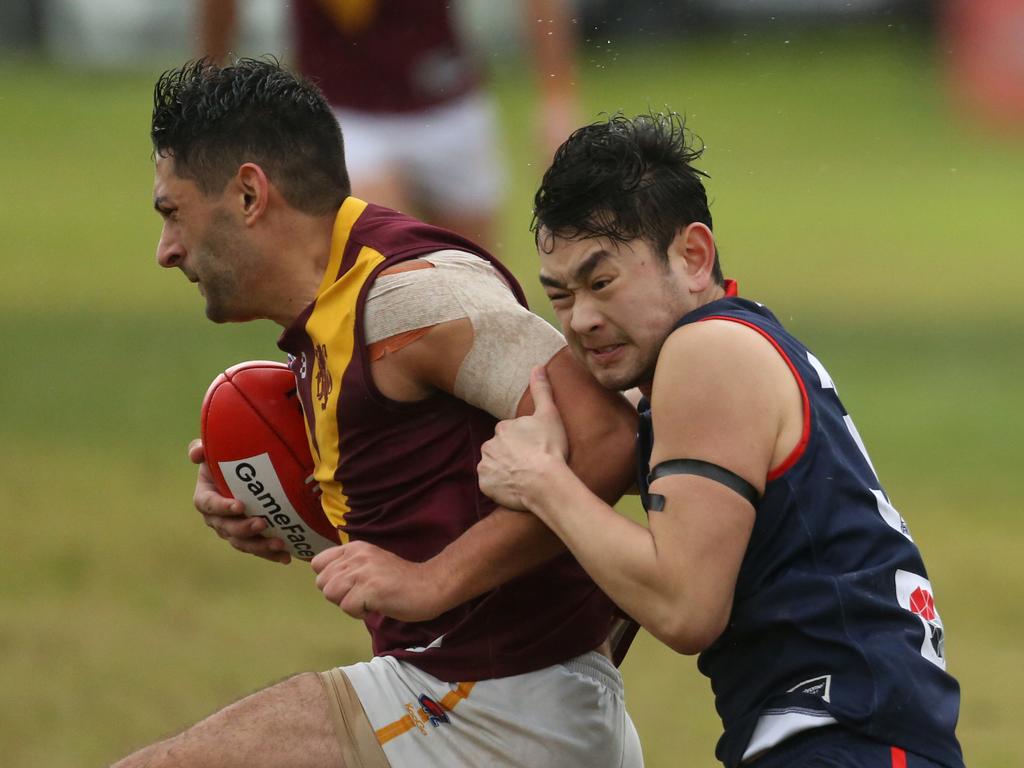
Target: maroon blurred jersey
point(402, 476)
point(382, 55)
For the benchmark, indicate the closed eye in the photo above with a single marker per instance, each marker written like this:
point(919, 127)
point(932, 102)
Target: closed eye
point(166, 211)
point(557, 298)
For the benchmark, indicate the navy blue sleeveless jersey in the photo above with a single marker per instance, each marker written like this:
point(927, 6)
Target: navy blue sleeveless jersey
point(833, 618)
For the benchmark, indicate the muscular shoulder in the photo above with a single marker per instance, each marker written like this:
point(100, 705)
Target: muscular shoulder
point(723, 393)
point(717, 352)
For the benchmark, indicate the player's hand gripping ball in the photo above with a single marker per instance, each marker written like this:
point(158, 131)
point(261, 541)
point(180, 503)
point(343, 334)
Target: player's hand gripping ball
point(254, 436)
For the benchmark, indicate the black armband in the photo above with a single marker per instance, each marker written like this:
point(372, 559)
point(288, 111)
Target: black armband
point(706, 469)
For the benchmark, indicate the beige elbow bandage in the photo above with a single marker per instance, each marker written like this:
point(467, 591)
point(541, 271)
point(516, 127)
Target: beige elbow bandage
point(508, 340)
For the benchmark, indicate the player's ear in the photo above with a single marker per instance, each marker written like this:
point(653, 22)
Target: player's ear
point(253, 189)
point(693, 251)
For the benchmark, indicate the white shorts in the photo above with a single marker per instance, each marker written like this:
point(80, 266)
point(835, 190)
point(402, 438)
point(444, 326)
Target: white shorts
point(570, 715)
point(449, 154)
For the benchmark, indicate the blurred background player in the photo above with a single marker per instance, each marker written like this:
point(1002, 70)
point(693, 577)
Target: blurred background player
point(421, 133)
point(985, 44)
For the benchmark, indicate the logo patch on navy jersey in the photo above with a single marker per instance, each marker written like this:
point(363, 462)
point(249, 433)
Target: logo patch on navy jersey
point(816, 686)
point(889, 514)
point(915, 594)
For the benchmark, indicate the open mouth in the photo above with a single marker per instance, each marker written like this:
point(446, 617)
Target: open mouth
point(605, 354)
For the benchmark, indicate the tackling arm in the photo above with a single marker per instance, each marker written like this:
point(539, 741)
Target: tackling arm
point(600, 427)
point(360, 577)
point(676, 577)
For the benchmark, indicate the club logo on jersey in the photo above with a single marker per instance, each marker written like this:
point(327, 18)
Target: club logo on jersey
point(324, 382)
point(923, 604)
point(915, 594)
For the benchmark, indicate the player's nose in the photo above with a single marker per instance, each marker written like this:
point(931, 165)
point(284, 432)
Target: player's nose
point(585, 317)
point(169, 251)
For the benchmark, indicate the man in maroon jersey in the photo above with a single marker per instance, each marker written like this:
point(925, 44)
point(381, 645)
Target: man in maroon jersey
point(425, 342)
point(420, 130)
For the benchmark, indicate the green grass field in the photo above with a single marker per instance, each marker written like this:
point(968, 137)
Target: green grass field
point(847, 195)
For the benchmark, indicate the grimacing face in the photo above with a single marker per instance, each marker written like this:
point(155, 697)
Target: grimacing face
point(616, 303)
point(201, 238)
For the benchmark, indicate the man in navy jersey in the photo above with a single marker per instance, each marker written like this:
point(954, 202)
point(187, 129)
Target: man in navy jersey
point(772, 549)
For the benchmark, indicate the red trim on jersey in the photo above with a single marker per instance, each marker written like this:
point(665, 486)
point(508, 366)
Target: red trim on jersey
point(899, 758)
point(798, 451)
point(732, 288)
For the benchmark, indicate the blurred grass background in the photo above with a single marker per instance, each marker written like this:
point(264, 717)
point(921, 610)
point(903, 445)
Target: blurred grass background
point(847, 196)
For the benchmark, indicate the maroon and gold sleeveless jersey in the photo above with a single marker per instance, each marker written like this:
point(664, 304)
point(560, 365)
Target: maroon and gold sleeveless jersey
point(402, 476)
point(382, 55)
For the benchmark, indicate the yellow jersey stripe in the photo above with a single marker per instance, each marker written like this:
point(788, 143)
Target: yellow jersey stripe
point(351, 209)
point(331, 329)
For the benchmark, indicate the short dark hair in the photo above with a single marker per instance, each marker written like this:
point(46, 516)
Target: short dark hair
point(212, 119)
point(625, 178)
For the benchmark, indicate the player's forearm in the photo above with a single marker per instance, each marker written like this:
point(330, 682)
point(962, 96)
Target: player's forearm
point(554, 52)
point(497, 549)
point(602, 456)
point(552, 37)
point(217, 19)
point(507, 544)
point(623, 558)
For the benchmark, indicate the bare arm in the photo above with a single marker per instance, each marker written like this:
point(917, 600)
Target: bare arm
point(505, 544)
point(218, 20)
point(676, 577)
point(552, 36)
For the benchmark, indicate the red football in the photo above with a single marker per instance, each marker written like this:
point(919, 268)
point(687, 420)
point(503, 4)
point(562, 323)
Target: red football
point(254, 435)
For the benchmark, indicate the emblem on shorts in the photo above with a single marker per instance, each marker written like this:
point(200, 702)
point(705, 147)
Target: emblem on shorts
point(324, 382)
point(428, 711)
point(435, 713)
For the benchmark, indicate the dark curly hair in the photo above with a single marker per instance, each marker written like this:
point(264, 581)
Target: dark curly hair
point(625, 178)
point(213, 119)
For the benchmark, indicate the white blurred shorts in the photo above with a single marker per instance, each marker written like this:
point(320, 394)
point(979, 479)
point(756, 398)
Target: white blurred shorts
point(570, 715)
point(448, 154)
